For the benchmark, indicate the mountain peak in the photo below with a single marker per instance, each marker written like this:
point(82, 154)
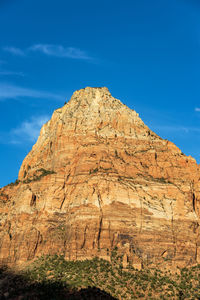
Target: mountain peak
point(87, 90)
point(93, 113)
point(96, 111)
point(92, 92)
point(99, 178)
point(94, 96)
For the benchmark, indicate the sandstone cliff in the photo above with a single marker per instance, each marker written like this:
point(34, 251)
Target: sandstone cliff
point(98, 178)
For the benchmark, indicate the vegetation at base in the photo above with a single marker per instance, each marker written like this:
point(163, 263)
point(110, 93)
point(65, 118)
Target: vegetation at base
point(75, 276)
point(14, 286)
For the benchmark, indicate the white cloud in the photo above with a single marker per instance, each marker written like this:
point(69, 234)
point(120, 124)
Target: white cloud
point(28, 131)
point(51, 50)
point(175, 129)
point(60, 51)
point(9, 91)
point(197, 109)
point(14, 51)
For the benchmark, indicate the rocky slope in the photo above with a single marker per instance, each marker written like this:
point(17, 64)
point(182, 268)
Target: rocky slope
point(99, 178)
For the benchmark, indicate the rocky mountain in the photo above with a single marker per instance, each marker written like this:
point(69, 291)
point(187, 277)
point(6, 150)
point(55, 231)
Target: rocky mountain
point(99, 179)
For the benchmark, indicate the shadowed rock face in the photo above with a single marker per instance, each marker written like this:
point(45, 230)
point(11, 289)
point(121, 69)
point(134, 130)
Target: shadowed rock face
point(98, 178)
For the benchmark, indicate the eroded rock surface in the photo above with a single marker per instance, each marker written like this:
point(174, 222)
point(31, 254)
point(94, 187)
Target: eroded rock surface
point(98, 178)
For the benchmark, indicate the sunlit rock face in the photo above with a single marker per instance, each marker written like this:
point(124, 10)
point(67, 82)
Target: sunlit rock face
point(99, 178)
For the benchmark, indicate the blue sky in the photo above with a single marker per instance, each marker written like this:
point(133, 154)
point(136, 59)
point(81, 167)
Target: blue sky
point(146, 52)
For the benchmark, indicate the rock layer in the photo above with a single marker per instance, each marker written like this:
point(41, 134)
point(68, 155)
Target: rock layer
point(99, 178)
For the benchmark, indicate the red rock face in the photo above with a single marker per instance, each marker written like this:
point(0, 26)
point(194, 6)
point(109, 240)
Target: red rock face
point(98, 178)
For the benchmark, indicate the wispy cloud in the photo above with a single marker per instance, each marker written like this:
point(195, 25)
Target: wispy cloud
point(197, 109)
point(9, 91)
point(51, 50)
point(175, 128)
point(28, 131)
point(14, 51)
point(60, 51)
point(11, 73)
point(5, 72)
